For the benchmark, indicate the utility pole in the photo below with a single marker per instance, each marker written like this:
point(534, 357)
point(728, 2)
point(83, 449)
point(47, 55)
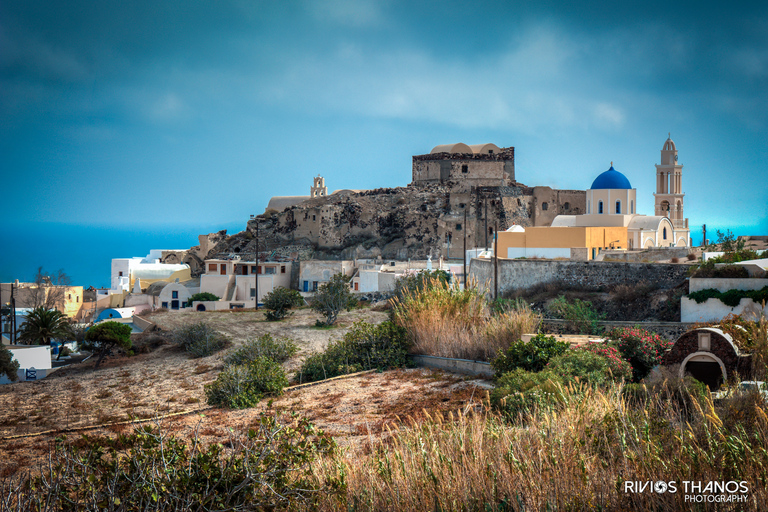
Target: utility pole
point(485, 219)
point(496, 261)
point(704, 239)
point(465, 248)
point(256, 277)
point(13, 318)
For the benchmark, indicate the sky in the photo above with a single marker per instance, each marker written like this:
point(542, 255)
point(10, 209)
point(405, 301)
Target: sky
point(130, 126)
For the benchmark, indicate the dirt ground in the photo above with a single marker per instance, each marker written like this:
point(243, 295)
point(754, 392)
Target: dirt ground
point(166, 380)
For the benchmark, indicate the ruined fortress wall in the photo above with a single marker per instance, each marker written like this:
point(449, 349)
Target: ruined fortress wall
point(465, 170)
point(516, 274)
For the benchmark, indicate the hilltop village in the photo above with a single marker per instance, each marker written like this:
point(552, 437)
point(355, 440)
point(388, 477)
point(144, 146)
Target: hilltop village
point(460, 308)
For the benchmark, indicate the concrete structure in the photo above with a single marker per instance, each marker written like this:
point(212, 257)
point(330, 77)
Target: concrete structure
point(66, 299)
point(116, 313)
point(709, 355)
point(126, 272)
point(34, 363)
point(714, 310)
point(313, 273)
point(234, 281)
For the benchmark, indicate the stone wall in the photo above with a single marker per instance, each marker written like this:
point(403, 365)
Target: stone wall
point(648, 255)
point(516, 274)
point(667, 330)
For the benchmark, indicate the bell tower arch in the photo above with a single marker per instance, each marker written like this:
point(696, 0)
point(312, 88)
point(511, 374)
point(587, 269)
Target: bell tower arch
point(669, 186)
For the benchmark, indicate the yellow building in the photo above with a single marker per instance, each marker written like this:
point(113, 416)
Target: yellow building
point(575, 243)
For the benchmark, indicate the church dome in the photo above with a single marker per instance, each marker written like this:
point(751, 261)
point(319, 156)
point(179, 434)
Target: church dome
point(612, 179)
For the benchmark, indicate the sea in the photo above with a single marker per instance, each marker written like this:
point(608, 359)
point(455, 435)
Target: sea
point(85, 252)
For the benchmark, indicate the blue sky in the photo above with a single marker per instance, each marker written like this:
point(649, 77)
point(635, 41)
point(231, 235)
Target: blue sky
point(186, 116)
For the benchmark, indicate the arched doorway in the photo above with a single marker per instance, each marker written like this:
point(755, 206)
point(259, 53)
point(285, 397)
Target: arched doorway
point(200, 307)
point(704, 367)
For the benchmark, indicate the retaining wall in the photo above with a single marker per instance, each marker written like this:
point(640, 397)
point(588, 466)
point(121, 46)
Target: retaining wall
point(464, 366)
point(667, 330)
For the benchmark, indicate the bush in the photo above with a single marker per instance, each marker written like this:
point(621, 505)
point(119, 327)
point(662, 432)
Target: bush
point(268, 467)
point(420, 281)
point(333, 297)
point(244, 385)
point(364, 347)
point(620, 369)
point(523, 392)
point(642, 349)
point(279, 301)
point(202, 297)
point(105, 336)
point(532, 356)
point(199, 339)
point(579, 314)
point(278, 350)
point(586, 366)
point(667, 391)
point(8, 365)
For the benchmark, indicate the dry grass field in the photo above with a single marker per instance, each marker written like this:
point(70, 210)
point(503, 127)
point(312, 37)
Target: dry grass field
point(166, 380)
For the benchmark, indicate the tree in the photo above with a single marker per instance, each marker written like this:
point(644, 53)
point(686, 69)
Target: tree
point(43, 325)
point(105, 336)
point(202, 297)
point(279, 301)
point(332, 297)
point(50, 289)
point(7, 365)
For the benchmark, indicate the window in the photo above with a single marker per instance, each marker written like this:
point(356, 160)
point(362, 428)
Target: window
point(314, 286)
point(704, 341)
point(77, 299)
point(545, 206)
point(631, 207)
point(618, 206)
point(314, 218)
point(282, 269)
point(567, 206)
point(165, 305)
point(462, 205)
point(490, 151)
point(465, 169)
point(269, 270)
point(211, 267)
point(664, 233)
point(120, 274)
point(253, 292)
point(174, 295)
point(458, 227)
point(253, 269)
point(600, 207)
point(69, 297)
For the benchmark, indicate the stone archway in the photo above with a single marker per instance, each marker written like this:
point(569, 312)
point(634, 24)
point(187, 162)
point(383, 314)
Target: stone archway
point(705, 367)
point(200, 307)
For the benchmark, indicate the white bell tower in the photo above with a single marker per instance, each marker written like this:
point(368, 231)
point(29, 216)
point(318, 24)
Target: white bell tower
point(669, 185)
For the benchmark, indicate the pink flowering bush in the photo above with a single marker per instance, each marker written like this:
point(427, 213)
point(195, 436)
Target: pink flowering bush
point(642, 349)
point(620, 369)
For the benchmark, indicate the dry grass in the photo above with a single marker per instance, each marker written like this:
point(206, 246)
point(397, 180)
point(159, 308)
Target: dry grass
point(444, 321)
point(573, 459)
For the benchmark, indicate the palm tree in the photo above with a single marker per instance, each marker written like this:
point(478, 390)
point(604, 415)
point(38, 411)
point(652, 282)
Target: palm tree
point(42, 325)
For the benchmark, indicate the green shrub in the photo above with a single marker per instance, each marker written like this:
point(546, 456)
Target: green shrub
point(268, 467)
point(279, 301)
point(202, 297)
point(579, 314)
point(106, 336)
point(531, 356)
point(420, 281)
point(619, 368)
point(333, 297)
point(244, 385)
point(523, 392)
point(8, 365)
point(586, 366)
point(199, 339)
point(731, 297)
point(364, 347)
point(278, 350)
point(665, 391)
point(642, 349)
